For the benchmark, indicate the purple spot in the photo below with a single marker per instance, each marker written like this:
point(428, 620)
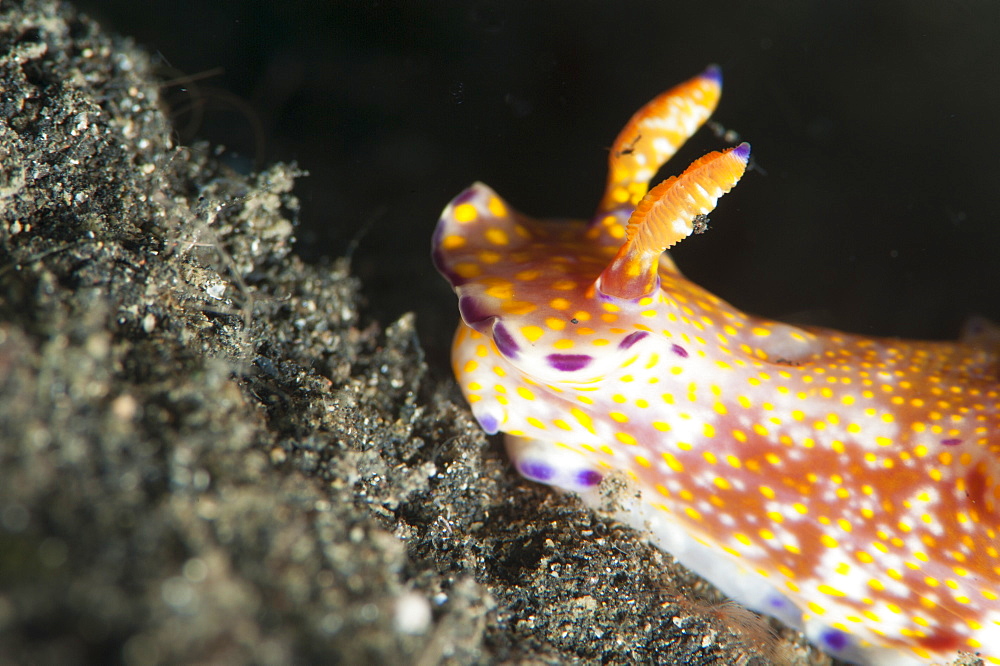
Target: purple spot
point(469, 193)
point(680, 351)
point(536, 470)
point(589, 477)
point(471, 310)
point(488, 423)
point(778, 601)
point(505, 341)
point(631, 339)
point(951, 442)
point(834, 639)
point(569, 362)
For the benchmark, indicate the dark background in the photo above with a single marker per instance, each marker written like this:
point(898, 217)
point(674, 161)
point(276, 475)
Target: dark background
point(873, 124)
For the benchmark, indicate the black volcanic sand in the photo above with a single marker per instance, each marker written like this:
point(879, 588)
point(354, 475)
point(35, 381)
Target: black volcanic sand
point(209, 453)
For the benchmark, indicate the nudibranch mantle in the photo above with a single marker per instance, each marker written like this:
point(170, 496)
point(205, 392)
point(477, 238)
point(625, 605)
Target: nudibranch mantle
point(847, 485)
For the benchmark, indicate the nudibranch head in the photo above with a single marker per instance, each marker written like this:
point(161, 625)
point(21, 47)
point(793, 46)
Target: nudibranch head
point(849, 486)
point(552, 295)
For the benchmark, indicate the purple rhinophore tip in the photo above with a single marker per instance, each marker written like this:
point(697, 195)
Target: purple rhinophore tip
point(536, 470)
point(742, 152)
point(951, 442)
point(680, 351)
point(713, 72)
point(631, 339)
point(589, 477)
point(488, 422)
point(569, 362)
point(504, 341)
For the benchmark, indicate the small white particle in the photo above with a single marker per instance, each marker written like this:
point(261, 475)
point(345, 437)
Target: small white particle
point(413, 614)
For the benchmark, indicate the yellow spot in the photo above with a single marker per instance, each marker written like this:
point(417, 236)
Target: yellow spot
point(563, 344)
point(555, 323)
point(625, 438)
point(525, 393)
point(672, 462)
point(643, 461)
point(519, 307)
point(661, 426)
point(618, 416)
point(535, 422)
point(452, 242)
point(465, 213)
point(503, 290)
point(832, 591)
point(584, 420)
point(767, 492)
point(497, 207)
point(708, 430)
point(467, 270)
point(560, 423)
point(532, 333)
point(470, 366)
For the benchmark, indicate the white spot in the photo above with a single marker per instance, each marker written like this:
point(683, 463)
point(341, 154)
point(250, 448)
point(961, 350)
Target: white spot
point(413, 614)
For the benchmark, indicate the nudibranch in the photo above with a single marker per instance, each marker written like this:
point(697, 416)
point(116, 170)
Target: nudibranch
point(846, 485)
